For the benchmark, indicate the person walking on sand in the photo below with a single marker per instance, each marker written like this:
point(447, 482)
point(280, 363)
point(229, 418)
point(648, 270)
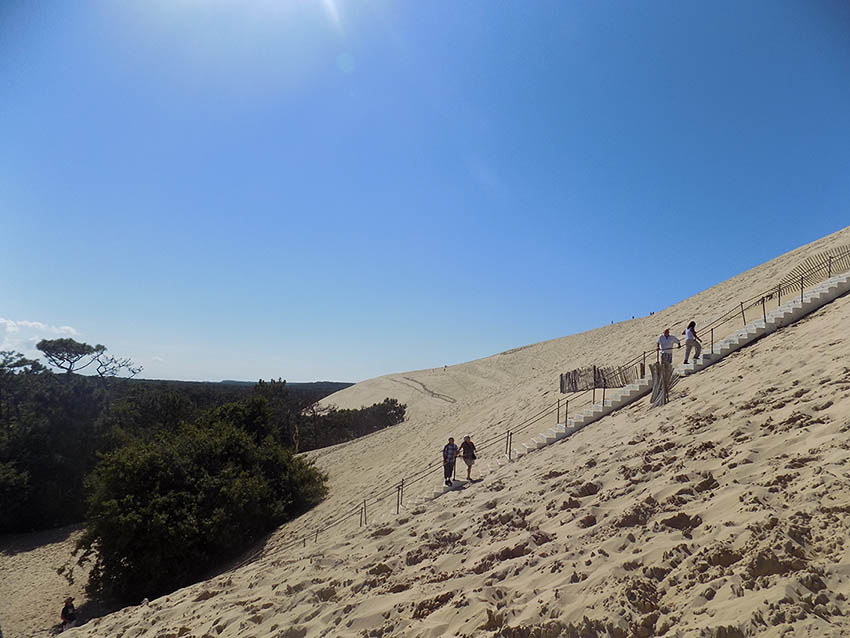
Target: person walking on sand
point(467, 451)
point(69, 614)
point(449, 456)
point(665, 344)
point(692, 341)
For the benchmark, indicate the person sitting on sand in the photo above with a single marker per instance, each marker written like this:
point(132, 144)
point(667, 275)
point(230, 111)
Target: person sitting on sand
point(69, 614)
point(665, 344)
point(449, 456)
point(467, 451)
point(692, 341)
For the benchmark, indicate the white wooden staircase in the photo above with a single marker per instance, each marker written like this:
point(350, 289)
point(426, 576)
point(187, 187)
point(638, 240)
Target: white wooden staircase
point(786, 314)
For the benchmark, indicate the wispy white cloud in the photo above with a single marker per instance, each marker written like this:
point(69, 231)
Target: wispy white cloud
point(21, 335)
point(157, 358)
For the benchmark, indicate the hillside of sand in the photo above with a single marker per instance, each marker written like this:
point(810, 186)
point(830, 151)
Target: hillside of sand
point(724, 513)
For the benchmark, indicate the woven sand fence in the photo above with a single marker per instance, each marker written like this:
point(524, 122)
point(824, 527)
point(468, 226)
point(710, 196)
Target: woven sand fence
point(592, 377)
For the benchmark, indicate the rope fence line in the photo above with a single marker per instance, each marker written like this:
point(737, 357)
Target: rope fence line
point(813, 271)
point(834, 261)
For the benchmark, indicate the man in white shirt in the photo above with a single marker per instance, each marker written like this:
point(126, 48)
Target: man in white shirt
point(665, 344)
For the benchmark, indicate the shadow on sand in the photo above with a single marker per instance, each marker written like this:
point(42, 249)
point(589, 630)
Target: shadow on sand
point(11, 544)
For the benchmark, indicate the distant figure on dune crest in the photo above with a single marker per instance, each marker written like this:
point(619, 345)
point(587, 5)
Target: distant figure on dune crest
point(69, 614)
point(449, 456)
point(665, 344)
point(692, 341)
point(467, 451)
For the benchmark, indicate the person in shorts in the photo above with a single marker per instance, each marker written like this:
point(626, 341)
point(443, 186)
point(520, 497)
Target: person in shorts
point(467, 452)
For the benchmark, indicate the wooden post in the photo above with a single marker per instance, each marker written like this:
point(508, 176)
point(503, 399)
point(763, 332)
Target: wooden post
point(801, 289)
point(594, 384)
point(829, 271)
point(558, 415)
point(779, 295)
point(365, 520)
point(401, 494)
point(743, 316)
point(763, 312)
point(712, 341)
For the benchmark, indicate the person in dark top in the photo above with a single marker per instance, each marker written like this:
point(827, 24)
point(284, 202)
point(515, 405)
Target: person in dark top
point(467, 451)
point(69, 614)
point(449, 456)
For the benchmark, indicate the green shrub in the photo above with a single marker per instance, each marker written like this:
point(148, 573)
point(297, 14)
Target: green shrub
point(163, 512)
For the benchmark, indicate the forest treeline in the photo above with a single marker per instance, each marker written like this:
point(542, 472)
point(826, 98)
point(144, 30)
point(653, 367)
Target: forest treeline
point(196, 470)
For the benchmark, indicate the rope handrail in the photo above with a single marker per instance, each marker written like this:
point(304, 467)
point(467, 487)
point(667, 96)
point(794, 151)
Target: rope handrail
point(376, 498)
point(806, 275)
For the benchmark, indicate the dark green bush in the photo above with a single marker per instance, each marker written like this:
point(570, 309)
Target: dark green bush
point(55, 428)
point(163, 512)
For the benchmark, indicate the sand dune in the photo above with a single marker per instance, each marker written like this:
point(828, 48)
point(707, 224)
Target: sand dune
point(724, 513)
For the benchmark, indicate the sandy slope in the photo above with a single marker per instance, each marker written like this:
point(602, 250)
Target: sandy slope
point(31, 590)
point(724, 513)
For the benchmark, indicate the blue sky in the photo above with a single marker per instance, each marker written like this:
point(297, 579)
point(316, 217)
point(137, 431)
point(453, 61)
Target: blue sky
point(339, 190)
